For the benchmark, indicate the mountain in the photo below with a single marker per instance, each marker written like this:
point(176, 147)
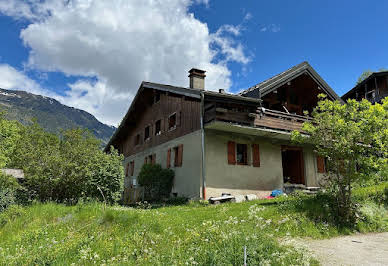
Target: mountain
point(50, 114)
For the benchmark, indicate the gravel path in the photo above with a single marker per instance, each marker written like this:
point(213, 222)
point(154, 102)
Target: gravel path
point(361, 249)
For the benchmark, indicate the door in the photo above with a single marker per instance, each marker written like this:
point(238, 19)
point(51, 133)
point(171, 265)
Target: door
point(293, 165)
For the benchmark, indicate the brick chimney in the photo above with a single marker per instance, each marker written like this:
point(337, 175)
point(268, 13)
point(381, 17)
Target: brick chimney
point(197, 79)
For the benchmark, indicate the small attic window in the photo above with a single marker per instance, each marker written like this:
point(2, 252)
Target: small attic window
point(158, 128)
point(147, 133)
point(172, 121)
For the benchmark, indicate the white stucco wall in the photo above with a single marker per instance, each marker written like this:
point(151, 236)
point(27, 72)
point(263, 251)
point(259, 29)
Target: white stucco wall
point(241, 179)
point(246, 179)
point(188, 176)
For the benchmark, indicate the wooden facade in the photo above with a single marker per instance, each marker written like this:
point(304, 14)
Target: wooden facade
point(153, 113)
point(254, 117)
point(296, 96)
point(374, 88)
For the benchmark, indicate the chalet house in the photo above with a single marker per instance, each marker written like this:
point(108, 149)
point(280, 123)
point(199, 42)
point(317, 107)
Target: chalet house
point(374, 88)
point(219, 142)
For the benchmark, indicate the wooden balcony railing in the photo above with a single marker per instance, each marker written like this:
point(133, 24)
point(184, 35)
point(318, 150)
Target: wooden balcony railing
point(263, 118)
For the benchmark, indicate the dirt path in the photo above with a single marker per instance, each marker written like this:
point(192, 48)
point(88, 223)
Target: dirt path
point(362, 249)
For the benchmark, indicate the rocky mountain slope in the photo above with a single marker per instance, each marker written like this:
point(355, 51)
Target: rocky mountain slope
point(50, 114)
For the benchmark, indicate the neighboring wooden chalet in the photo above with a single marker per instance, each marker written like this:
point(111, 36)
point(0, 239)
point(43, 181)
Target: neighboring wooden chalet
point(219, 142)
point(374, 88)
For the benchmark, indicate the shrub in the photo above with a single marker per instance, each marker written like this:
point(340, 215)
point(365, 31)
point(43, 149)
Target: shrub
point(8, 189)
point(11, 214)
point(377, 193)
point(372, 217)
point(157, 182)
point(67, 168)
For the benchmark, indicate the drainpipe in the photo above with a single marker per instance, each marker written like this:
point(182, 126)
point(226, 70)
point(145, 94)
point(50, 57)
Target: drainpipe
point(203, 147)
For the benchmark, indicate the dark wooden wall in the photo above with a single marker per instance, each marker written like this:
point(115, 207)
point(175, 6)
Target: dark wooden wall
point(188, 120)
point(301, 95)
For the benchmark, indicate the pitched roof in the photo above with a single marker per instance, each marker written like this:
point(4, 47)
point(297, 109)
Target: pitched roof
point(194, 93)
point(280, 79)
point(373, 75)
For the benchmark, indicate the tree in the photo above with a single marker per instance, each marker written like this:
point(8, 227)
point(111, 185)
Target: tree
point(353, 137)
point(9, 135)
point(68, 167)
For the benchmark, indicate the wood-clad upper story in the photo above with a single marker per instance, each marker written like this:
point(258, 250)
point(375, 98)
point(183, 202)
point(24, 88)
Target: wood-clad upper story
point(374, 88)
point(155, 117)
point(160, 113)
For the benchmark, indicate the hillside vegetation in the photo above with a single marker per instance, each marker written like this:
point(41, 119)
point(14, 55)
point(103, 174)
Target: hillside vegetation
point(195, 233)
point(50, 114)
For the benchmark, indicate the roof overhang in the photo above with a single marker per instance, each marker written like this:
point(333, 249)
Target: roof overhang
point(290, 74)
point(246, 130)
point(362, 83)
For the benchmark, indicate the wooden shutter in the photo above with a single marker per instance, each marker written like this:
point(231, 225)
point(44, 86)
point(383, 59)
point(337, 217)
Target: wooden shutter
point(132, 168)
point(178, 118)
point(168, 158)
point(180, 155)
point(145, 160)
point(255, 155)
point(231, 152)
point(153, 158)
point(126, 169)
point(320, 164)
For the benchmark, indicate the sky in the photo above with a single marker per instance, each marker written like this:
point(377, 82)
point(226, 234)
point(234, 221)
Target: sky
point(93, 54)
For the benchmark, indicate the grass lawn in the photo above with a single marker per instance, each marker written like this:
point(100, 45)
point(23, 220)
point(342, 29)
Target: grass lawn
point(195, 233)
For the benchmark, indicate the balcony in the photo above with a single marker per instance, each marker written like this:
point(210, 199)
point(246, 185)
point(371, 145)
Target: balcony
point(261, 118)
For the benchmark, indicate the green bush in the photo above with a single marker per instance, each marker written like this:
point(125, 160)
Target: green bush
point(67, 168)
point(377, 193)
point(372, 217)
point(8, 189)
point(157, 182)
point(11, 214)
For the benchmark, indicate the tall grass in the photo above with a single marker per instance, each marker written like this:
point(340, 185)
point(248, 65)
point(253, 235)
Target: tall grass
point(194, 233)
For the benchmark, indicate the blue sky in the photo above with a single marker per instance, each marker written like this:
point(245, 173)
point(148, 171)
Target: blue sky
point(97, 63)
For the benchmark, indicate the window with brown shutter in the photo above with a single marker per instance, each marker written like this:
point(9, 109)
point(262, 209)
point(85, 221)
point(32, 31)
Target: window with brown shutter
point(145, 160)
point(255, 155)
point(132, 169)
point(242, 154)
point(231, 152)
point(126, 169)
point(320, 164)
point(168, 158)
point(178, 155)
point(153, 158)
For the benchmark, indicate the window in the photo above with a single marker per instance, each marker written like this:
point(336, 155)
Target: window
point(172, 121)
point(156, 97)
point(178, 155)
point(147, 133)
point(158, 127)
point(242, 157)
point(149, 159)
point(132, 168)
point(137, 139)
point(126, 169)
point(153, 159)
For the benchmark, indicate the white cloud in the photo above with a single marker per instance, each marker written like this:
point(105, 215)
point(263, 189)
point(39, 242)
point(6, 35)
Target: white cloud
point(121, 43)
point(271, 28)
point(12, 79)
